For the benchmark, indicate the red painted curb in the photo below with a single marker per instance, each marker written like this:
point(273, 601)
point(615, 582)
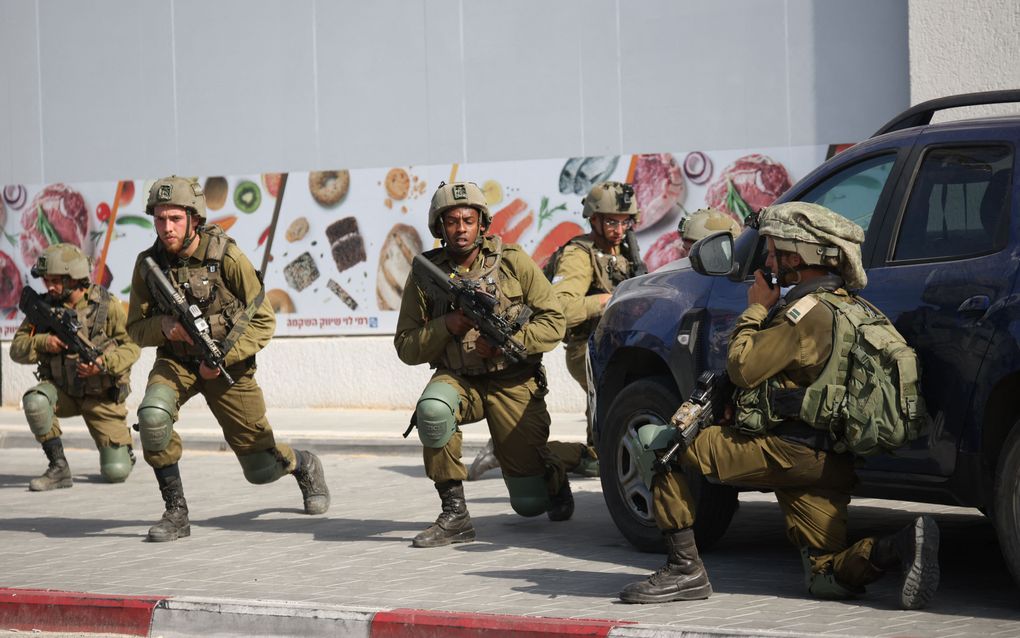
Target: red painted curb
point(417, 623)
point(51, 610)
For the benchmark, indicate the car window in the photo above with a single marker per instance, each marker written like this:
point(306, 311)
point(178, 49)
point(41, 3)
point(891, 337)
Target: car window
point(854, 191)
point(958, 204)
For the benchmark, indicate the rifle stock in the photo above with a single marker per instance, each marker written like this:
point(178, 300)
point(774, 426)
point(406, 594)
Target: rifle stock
point(700, 410)
point(477, 305)
point(171, 301)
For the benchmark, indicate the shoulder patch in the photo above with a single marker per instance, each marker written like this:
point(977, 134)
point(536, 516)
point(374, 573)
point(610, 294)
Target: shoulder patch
point(797, 311)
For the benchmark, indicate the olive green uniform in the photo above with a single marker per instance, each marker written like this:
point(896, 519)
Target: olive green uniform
point(811, 484)
point(98, 399)
point(511, 398)
point(239, 409)
point(583, 274)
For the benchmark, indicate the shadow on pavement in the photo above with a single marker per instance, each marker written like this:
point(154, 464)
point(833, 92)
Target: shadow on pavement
point(60, 527)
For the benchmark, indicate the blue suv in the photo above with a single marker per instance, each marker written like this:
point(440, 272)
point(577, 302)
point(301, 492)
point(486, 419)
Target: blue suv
point(942, 251)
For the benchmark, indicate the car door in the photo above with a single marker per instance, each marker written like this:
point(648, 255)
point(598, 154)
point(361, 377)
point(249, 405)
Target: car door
point(941, 260)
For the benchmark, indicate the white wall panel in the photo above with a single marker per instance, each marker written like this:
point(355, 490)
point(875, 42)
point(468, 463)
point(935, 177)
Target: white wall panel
point(601, 98)
point(522, 79)
point(21, 158)
point(445, 82)
point(372, 83)
point(106, 98)
point(703, 75)
point(245, 95)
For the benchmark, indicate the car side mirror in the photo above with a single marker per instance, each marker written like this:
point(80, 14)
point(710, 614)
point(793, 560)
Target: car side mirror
point(713, 255)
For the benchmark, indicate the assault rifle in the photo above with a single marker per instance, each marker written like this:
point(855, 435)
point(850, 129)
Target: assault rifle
point(60, 321)
point(704, 407)
point(477, 305)
point(630, 250)
point(171, 301)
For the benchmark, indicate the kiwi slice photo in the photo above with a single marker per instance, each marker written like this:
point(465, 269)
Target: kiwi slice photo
point(247, 197)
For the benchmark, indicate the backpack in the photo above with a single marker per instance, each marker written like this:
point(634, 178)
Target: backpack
point(868, 396)
point(549, 269)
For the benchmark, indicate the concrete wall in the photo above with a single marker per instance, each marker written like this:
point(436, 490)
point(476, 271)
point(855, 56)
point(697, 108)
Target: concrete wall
point(314, 372)
point(960, 46)
point(108, 89)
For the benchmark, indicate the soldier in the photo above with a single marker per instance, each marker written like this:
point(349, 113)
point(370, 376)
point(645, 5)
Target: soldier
point(473, 380)
point(69, 386)
point(786, 344)
point(704, 222)
point(212, 273)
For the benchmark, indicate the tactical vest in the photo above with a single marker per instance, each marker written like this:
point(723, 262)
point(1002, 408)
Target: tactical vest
point(62, 368)
point(609, 271)
point(867, 397)
point(496, 279)
point(202, 285)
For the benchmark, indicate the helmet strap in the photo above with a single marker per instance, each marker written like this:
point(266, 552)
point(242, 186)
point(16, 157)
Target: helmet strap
point(189, 234)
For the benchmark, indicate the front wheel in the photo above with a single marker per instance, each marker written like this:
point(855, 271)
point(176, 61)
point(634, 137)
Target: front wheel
point(643, 402)
point(1006, 509)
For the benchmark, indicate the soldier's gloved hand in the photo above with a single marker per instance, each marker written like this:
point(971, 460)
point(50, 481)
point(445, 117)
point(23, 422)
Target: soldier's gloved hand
point(760, 293)
point(457, 323)
point(174, 331)
point(206, 372)
point(90, 369)
point(486, 350)
point(54, 344)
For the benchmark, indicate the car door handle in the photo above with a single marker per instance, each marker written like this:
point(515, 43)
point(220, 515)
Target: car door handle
point(977, 303)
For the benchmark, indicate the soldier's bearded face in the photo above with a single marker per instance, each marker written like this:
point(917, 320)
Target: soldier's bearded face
point(54, 286)
point(461, 226)
point(171, 226)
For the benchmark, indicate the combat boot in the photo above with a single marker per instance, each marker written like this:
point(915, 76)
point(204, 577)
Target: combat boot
point(58, 474)
point(485, 461)
point(312, 482)
point(915, 550)
point(561, 505)
point(174, 523)
point(454, 523)
point(683, 577)
point(588, 466)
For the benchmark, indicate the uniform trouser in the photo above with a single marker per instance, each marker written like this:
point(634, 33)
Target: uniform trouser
point(105, 419)
point(812, 487)
point(239, 409)
point(518, 421)
point(572, 453)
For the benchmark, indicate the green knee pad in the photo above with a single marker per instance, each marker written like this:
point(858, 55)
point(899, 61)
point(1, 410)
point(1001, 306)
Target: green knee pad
point(156, 416)
point(529, 495)
point(115, 463)
point(261, 467)
point(38, 405)
point(437, 414)
point(652, 438)
point(824, 585)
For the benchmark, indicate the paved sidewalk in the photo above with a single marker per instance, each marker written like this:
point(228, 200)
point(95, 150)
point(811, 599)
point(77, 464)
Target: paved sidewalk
point(251, 546)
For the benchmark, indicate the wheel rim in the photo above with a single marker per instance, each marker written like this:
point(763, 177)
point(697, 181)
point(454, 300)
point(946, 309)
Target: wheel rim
point(633, 491)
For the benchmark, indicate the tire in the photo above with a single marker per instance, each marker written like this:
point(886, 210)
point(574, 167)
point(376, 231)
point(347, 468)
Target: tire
point(1006, 508)
point(645, 401)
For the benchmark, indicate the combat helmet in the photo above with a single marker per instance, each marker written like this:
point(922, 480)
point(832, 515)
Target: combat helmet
point(179, 191)
point(611, 198)
point(453, 195)
point(62, 259)
point(706, 221)
point(820, 236)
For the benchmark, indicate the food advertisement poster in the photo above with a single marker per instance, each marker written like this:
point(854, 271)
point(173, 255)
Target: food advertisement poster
point(340, 242)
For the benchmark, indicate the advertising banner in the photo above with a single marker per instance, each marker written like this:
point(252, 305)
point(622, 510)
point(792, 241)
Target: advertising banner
point(341, 242)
